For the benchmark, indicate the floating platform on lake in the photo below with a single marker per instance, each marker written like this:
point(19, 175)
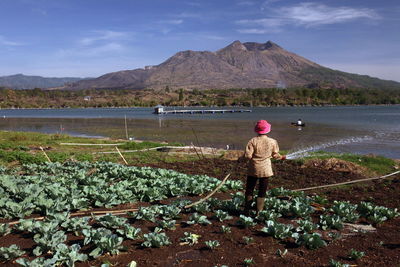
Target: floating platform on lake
point(200, 111)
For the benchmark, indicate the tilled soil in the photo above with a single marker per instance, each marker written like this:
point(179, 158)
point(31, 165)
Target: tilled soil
point(381, 247)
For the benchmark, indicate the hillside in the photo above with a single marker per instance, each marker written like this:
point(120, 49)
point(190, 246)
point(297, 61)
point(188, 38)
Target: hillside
point(20, 81)
point(239, 65)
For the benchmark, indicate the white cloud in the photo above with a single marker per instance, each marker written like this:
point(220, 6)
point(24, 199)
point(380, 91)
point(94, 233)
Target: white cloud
point(188, 15)
point(98, 43)
point(211, 37)
point(173, 21)
point(307, 14)
point(93, 51)
point(104, 35)
point(4, 41)
point(311, 14)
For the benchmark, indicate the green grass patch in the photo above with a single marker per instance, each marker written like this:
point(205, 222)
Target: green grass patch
point(376, 164)
point(21, 156)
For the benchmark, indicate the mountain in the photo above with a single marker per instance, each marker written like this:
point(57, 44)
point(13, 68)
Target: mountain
point(239, 65)
point(20, 81)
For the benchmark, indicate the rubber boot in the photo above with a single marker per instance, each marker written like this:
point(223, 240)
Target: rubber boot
point(260, 204)
point(247, 205)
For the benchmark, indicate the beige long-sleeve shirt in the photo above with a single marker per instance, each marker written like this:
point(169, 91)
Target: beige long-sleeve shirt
point(259, 151)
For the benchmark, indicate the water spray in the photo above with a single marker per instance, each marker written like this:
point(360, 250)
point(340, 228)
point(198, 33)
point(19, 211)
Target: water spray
point(305, 151)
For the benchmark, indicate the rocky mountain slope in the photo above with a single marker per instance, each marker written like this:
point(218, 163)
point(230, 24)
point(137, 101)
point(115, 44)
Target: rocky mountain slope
point(239, 65)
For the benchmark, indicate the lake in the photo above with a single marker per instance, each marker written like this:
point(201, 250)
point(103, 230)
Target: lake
point(355, 129)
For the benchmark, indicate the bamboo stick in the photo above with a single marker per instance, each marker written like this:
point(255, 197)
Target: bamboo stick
point(119, 152)
point(47, 157)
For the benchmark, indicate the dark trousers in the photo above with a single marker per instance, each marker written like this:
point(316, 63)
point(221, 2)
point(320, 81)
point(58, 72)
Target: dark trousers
point(251, 185)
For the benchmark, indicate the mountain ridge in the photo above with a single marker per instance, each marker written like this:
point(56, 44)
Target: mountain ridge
point(21, 81)
point(238, 65)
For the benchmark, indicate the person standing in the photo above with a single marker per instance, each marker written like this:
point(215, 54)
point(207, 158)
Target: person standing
point(259, 151)
point(299, 122)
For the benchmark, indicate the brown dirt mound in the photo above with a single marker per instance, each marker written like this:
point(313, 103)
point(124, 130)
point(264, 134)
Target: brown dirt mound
point(233, 154)
point(334, 164)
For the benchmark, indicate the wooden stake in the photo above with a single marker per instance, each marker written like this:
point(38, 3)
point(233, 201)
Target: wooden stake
point(47, 157)
point(209, 195)
point(126, 129)
point(119, 152)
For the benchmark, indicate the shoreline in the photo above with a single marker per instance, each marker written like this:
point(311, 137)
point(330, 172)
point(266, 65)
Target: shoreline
point(196, 106)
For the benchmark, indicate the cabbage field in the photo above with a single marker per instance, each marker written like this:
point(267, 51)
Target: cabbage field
point(160, 224)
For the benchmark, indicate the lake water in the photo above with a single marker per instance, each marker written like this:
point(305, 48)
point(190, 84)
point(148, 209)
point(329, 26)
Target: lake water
point(355, 129)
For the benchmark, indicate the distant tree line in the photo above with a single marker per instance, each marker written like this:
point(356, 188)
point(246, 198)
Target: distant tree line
point(38, 98)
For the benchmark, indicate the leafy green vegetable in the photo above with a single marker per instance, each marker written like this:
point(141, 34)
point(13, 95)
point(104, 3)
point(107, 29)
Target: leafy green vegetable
point(311, 241)
point(4, 229)
point(355, 254)
point(38, 262)
point(331, 222)
point(345, 210)
point(195, 218)
point(246, 222)
point(226, 229)
point(129, 232)
point(155, 240)
point(212, 244)
point(248, 262)
point(306, 226)
point(222, 215)
point(11, 252)
point(69, 255)
point(248, 239)
point(111, 221)
point(334, 263)
point(167, 224)
point(106, 243)
point(190, 238)
point(277, 230)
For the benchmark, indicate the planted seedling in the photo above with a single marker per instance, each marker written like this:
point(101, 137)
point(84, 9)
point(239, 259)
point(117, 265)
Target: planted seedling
point(248, 262)
point(355, 254)
point(334, 263)
point(5, 229)
point(306, 226)
point(248, 240)
point(331, 222)
point(222, 215)
point(190, 239)
point(69, 255)
point(226, 229)
point(129, 232)
point(281, 253)
point(246, 222)
point(212, 244)
point(195, 218)
point(155, 240)
point(11, 252)
point(167, 224)
point(278, 230)
point(311, 241)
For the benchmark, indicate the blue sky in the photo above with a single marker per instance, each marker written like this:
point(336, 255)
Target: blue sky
point(88, 38)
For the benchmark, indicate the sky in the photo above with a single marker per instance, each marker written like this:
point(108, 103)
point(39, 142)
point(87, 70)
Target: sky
point(88, 38)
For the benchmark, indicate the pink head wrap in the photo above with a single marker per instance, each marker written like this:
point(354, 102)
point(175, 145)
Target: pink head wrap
point(262, 127)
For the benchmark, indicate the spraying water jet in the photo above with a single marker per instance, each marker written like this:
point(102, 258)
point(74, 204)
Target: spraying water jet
point(301, 153)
